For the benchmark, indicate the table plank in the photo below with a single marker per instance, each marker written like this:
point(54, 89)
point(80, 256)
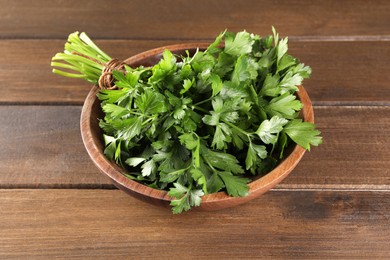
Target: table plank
point(343, 72)
point(101, 224)
point(48, 151)
point(186, 20)
point(355, 152)
point(41, 146)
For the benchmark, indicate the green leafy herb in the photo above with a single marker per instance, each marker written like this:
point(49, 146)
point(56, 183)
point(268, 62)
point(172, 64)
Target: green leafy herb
point(195, 125)
point(303, 133)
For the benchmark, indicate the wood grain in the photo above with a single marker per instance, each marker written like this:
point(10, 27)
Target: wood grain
point(355, 152)
point(343, 72)
point(48, 151)
point(42, 145)
point(186, 20)
point(101, 224)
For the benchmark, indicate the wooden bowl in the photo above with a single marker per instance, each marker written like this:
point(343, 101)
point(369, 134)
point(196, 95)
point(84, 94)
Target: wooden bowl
point(93, 141)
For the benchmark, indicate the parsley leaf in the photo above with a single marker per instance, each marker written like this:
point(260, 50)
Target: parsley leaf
point(238, 44)
point(255, 152)
point(269, 129)
point(164, 68)
point(271, 86)
point(129, 128)
point(235, 186)
point(285, 106)
point(151, 102)
point(290, 81)
point(303, 133)
point(222, 161)
point(134, 161)
point(185, 198)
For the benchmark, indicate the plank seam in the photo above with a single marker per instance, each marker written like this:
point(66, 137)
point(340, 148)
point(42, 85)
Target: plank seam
point(296, 38)
point(373, 188)
point(319, 105)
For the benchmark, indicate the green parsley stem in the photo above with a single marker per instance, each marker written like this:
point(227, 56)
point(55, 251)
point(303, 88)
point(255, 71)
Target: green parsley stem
point(248, 135)
point(180, 170)
point(200, 109)
point(209, 163)
point(136, 113)
point(80, 55)
point(147, 121)
point(67, 74)
point(237, 128)
point(63, 65)
point(274, 144)
point(203, 101)
point(253, 94)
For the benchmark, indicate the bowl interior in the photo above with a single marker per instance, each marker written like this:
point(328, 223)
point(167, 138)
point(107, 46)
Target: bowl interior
point(93, 140)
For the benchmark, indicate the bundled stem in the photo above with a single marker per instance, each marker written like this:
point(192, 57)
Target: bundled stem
point(81, 58)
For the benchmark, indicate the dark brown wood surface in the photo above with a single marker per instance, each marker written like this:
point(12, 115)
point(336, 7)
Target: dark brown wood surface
point(55, 204)
point(340, 73)
point(102, 224)
point(178, 19)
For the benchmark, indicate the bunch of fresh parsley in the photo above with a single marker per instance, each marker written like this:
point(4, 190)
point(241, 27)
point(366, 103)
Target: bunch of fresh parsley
point(199, 124)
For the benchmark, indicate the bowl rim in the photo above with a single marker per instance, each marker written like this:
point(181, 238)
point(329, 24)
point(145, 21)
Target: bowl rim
point(109, 168)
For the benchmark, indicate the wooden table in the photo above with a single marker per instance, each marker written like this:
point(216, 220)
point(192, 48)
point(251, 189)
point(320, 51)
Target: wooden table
point(55, 204)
